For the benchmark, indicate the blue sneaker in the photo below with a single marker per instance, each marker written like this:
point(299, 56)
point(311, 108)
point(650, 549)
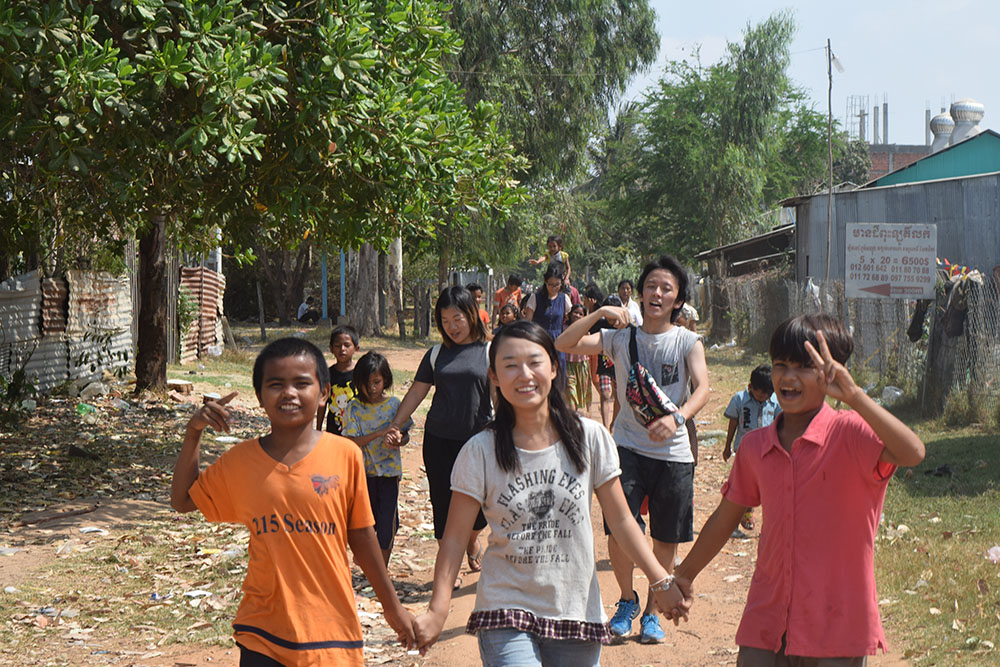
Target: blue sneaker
point(650, 630)
point(625, 612)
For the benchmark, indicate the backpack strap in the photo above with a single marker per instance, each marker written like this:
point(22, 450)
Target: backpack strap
point(435, 351)
point(633, 349)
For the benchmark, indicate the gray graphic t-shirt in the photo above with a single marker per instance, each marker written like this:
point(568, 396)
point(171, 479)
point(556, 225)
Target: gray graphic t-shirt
point(540, 555)
point(665, 357)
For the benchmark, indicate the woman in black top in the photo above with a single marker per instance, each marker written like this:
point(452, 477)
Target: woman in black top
point(461, 406)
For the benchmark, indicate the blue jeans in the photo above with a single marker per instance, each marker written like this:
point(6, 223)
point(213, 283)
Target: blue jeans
point(507, 647)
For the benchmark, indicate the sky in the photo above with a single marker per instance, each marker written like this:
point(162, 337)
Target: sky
point(914, 54)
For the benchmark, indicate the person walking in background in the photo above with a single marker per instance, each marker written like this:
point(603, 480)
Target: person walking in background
point(511, 293)
point(811, 561)
point(367, 420)
point(461, 407)
point(656, 458)
point(550, 307)
point(344, 344)
point(754, 407)
point(508, 313)
point(534, 471)
point(578, 392)
point(477, 294)
point(625, 289)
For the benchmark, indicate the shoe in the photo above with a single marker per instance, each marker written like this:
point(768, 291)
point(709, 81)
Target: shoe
point(625, 612)
point(650, 631)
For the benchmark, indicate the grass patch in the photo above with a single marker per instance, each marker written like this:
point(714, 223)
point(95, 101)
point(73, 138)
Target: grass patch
point(940, 594)
point(147, 586)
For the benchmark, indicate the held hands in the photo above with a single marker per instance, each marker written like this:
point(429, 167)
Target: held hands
point(838, 381)
point(402, 621)
point(395, 438)
point(428, 628)
point(213, 414)
point(675, 602)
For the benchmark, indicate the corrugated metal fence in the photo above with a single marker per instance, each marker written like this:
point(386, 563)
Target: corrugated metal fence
point(964, 357)
point(206, 288)
point(75, 328)
point(65, 329)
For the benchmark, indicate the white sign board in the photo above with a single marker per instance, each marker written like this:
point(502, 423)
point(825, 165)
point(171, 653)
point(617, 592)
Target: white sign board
point(891, 260)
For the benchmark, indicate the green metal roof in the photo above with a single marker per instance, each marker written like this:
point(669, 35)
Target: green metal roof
point(976, 155)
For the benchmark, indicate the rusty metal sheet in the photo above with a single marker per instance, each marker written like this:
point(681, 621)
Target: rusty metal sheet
point(20, 308)
point(98, 303)
point(207, 288)
point(99, 324)
point(55, 305)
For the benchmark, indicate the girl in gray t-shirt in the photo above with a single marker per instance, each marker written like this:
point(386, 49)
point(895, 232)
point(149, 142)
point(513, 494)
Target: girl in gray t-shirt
point(533, 472)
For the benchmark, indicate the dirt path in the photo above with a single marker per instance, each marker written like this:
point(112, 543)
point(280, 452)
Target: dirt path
point(706, 640)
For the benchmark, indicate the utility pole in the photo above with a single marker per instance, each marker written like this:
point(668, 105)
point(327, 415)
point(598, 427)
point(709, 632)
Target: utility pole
point(829, 147)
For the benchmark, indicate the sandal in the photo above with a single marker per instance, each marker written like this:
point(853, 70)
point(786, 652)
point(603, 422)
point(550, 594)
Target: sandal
point(476, 562)
point(747, 522)
point(458, 582)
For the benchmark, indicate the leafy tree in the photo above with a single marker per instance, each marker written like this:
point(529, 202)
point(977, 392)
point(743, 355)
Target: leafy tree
point(852, 163)
point(327, 120)
point(713, 148)
point(554, 66)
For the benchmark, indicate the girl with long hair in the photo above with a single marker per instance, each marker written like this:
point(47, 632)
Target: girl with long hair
point(534, 471)
point(461, 405)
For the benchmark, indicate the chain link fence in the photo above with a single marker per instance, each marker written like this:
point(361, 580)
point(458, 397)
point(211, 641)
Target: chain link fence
point(948, 360)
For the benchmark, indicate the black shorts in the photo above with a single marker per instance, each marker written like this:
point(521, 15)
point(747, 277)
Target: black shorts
point(439, 458)
point(250, 658)
point(670, 487)
point(383, 494)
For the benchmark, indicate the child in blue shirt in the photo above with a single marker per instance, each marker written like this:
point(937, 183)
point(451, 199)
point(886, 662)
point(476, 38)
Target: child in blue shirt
point(366, 421)
point(754, 407)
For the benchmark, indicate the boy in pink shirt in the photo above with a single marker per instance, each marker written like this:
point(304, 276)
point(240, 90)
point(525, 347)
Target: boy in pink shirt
point(812, 598)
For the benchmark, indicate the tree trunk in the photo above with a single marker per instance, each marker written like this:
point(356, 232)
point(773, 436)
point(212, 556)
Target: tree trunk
point(285, 272)
point(151, 354)
point(444, 265)
point(362, 292)
point(395, 284)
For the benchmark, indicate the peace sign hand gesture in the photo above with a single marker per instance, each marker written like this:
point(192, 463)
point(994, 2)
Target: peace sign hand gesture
point(833, 375)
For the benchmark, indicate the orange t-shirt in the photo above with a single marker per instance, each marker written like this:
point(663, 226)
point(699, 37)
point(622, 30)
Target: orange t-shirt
point(505, 295)
point(298, 601)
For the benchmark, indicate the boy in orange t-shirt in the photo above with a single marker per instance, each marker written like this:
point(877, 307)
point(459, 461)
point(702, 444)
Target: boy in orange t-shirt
point(303, 495)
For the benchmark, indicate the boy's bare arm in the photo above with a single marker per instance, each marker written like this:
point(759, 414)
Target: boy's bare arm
point(186, 468)
point(902, 447)
point(713, 536)
point(368, 556)
point(576, 339)
point(728, 451)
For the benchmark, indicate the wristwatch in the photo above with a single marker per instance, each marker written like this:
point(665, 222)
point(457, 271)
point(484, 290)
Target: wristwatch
point(678, 417)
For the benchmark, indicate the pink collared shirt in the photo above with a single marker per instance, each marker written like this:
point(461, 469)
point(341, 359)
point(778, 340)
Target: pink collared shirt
point(815, 578)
